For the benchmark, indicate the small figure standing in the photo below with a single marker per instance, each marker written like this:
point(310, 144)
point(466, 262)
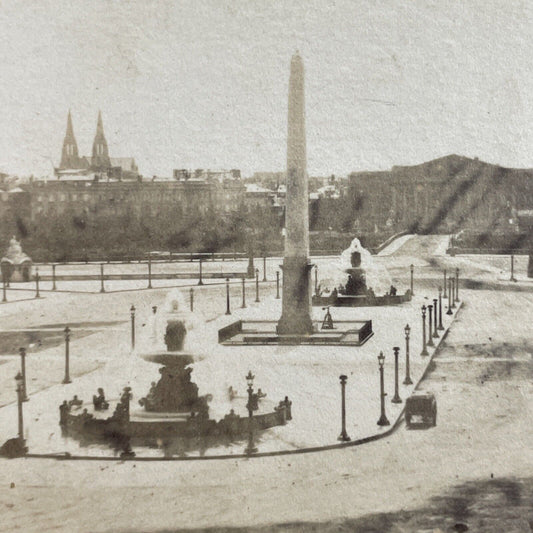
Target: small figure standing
point(75, 402)
point(327, 323)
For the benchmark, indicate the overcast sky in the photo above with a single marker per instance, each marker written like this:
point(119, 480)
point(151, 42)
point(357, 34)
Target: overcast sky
point(203, 84)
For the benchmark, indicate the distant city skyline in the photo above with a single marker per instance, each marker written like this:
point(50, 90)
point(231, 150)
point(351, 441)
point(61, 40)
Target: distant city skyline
point(204, 84)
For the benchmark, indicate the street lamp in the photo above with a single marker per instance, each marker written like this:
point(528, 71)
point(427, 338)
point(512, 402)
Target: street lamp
point(149, 270)
point(102, 288)
point(67, 379)
point(200, 280)
point(19, 380)
point(343, 436)
point(424, 349)
point(445, 285)
point(383, 420)
point(132, 313)
point(316, 280)
point(250, 449)
point(54, 277)
point(22, 352)
point(457, 284)
point(228, 311)
point(4, 282)
point(449, 312)
point(435, 312)
point(37, 293)
point(441, 327)
point(430, 324)
point(407, 380)
point(396, 398)
point(257, 285)
point(453, 293)
point(277, 284)
point(412, 268)
point(243, 293)
point(191, 299)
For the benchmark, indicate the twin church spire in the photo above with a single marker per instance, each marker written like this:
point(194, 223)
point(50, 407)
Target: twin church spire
point(70, 158)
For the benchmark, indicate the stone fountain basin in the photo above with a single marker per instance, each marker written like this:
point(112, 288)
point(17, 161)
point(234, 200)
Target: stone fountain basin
point(168, 358)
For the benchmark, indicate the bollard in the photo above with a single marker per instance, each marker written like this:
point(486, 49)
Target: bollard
point(243, 293)
point(22, 352)
point(424, 349)
point(435, 313)
point(343, 436)
point(54, 278)
point(228, 311)
point(407, 380)
point(102, 288)
point(396, 398)
point(67, 379)
point(257, 285)
point(277, 284)
point(191, 298)
point(132, 312)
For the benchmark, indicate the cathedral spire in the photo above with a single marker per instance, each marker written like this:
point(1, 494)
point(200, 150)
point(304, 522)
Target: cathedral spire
point(100, 159)
point(69, 154)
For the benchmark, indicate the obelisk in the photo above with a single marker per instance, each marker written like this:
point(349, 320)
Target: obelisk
point(296, 298)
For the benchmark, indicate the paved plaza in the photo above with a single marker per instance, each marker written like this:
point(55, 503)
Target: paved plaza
point(481, 377)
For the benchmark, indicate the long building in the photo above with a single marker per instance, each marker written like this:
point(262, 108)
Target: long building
point(445, 195)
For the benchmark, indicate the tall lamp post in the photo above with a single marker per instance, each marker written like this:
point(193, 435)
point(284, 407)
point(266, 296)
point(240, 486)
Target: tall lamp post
point(132, 313)
point(343, 436)
point(424, 349)
point(256, 285)
point(200, 280)
point(449, 312)
point(441, 327)
point(435, 313)
point(445, 284)
point(191, 299)
point(457, 284)
point(22, 352)
point(453, 293)
point(316, 280)
point(37, 293)
point(54, 277)
point(412, 268)
point(20, 398)
point(277, 284)
point(243, 293)
point(228, 310)
point(430, 326)
point(383, 420)
point(407, 380)
point(102, 288)
point(396, 398)
point(67, 379)
point(149, 270)
point(250, 449)
point(4, 284)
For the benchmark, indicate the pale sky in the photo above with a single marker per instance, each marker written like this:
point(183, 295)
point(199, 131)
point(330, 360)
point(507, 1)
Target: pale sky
point(203, 84)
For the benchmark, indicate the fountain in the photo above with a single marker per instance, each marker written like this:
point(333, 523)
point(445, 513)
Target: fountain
point(356, 280)
point(172, 415)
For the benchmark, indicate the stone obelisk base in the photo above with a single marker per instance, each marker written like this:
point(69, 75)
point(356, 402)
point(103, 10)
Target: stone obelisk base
point(296, 310)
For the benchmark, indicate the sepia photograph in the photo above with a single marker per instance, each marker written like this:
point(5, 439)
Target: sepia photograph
point(266, 266)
